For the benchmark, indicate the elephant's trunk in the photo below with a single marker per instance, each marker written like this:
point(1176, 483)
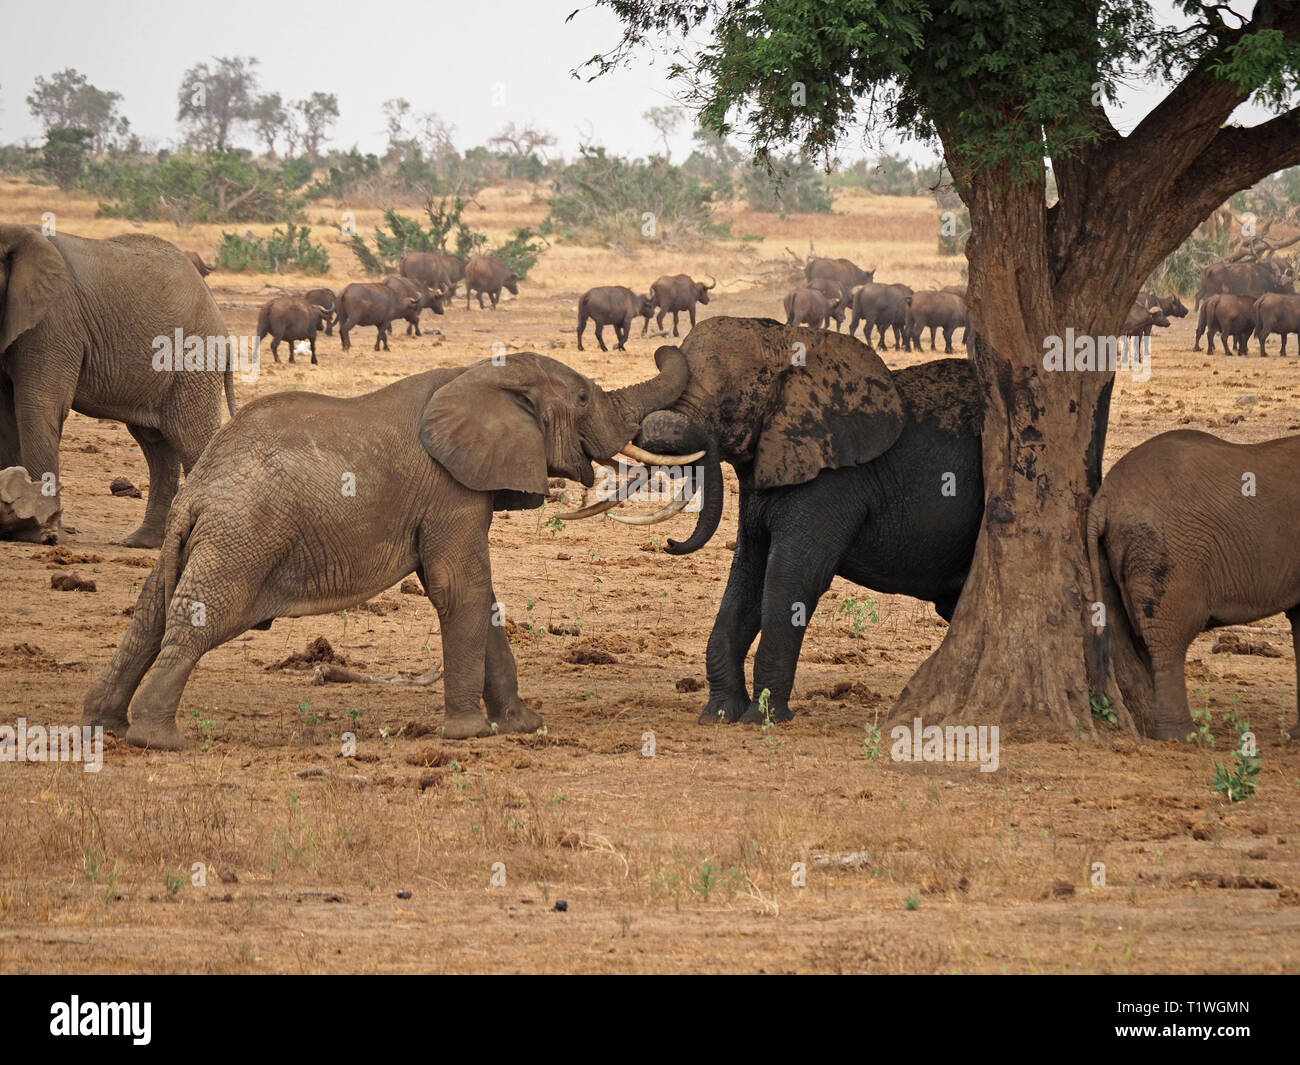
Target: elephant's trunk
point(669, 431)
point(633, 403)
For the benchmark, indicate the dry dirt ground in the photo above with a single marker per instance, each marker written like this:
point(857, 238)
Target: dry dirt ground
point(420, 854)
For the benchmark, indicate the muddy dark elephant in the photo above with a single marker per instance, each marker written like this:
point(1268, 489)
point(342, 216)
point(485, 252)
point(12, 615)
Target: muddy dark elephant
point(91, 326)
point(487, 275)
point(939, 312)
point(400, 481)
point(674, 293)
point(844, 468)
point(406, 289)
point(807, 306)
point(1276, 313)
point(882, 307)
point(370, 303)
point(1196, 533)
point(291, 319)
point(324, 298)
point(614, 305)
point(1232, 316)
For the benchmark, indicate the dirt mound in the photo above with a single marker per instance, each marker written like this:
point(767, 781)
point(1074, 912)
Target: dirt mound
point(70, 582)
point(318, 651)
point(588, 653)
point(1231, 643)
point(61, 556)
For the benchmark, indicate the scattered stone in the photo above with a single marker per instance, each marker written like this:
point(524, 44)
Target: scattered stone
point(70, 582)
point(561, 906)
point(403, 894)
point(122, 486)
point(1061, 889)
point(1257, 854)
point(1248, 400)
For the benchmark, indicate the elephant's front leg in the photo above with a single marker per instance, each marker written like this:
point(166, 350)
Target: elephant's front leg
point(10, 452)
point(164, 480)
point(1293, 616)
point(465, 609)
point(798, 574)
point(736, 625)
point(505, 711)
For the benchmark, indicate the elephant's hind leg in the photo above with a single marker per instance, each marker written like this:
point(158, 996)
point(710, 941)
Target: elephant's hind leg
point(1293, 616)
point(211, 605)
point(110, 695)
point(164, 479)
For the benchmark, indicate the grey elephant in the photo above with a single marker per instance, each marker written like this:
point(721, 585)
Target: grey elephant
point(81, 324)
point(1197, 533)
point(307, 504)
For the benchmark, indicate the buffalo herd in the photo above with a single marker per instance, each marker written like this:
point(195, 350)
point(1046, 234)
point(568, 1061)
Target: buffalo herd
point(1236, 300)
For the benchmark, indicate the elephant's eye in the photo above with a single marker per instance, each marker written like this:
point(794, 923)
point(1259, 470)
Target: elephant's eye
point(583, 398)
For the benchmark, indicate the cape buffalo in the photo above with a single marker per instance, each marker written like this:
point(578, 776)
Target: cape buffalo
point(807, 306)
point(1276, 313)
point(836, 295)
point(882, 307)
point(1244, 279)
point(1171, 305)
point(483, 273)
point(324, 297)
point(1233, 316)
point(935, 311)
point(844, 271)
point(405, 288)
point(1140, 319)
point(370, 303)
point(612, 305)
point(676, 293)
point(434, 269)
point(292, 319)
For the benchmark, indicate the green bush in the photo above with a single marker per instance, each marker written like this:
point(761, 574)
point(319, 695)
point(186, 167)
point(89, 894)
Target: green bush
point(189, 187)
point(283, 250)
point(521, 251)
point(1181, 270)
point(345, 172)
point(21, 161)
point(795, 185)
point(601, 198)
point(446, 227)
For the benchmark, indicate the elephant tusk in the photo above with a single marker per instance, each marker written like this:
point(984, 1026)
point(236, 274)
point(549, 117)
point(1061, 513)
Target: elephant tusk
point(652, 519)
point(649, 458)
point(591, 511)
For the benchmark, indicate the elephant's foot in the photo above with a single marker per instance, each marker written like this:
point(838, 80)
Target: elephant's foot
point(159, 734)
point(109, 718)
point(516, 718)
point(146, 536)
point(776, 712)
point(465, 726)
point(724, 709)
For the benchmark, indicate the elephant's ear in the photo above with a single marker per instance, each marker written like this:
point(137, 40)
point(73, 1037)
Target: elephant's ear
point(35, 272)
point(841, 408)
point(482, 428)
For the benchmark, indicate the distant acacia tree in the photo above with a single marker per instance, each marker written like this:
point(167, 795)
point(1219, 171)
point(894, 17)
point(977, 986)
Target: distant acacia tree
point(523, 140)
point(318, 112)
point(215, 100)
point(67, 100)
point(665, 120)
point(270, 121)
point(1004, 86)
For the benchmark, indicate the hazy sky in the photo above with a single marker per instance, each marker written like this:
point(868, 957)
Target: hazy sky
point(442, 56)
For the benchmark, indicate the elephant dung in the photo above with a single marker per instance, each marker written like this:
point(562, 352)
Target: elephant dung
point(25, 510)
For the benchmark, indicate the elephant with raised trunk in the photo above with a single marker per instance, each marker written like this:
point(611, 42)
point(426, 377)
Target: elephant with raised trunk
point(308, 504)
point(1196, 532)
point(845, 469)
point(83, 326)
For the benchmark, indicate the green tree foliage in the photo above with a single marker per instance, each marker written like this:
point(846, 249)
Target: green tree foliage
point(67, 100)
point(213, 101)
point(65, 154)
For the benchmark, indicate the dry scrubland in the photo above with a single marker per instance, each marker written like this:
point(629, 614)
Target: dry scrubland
point(680, 862)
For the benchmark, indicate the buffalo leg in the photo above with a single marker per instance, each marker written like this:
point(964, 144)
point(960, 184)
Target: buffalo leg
point(600, 335)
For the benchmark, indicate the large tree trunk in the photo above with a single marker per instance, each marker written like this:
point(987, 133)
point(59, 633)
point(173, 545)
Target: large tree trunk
point(1015, 652)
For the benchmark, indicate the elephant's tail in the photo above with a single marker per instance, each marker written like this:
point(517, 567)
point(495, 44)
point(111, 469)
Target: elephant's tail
point(230, 380)
point(179, 525)
point(1100, 640)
